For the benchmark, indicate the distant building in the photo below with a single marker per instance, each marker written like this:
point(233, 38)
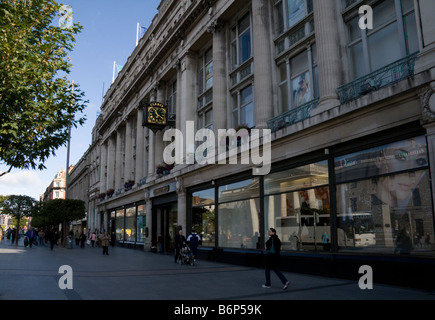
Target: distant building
point(56, 189)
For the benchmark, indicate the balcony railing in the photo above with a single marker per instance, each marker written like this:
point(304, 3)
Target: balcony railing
point(292, 116)
point(390, 74)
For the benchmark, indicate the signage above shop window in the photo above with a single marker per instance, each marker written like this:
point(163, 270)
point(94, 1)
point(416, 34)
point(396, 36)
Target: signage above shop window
point(155, 116)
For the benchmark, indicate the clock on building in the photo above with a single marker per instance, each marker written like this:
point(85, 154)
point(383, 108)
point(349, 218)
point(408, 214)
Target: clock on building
point(155, 116)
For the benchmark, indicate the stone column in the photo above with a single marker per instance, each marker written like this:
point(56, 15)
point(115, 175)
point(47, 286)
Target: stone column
point(181, 202)
point(103, 164)
point(128, 150)
point(219, 77)
point(187, 101)
point(111, 155)
point(328, 54)
point(151, 162)
point(158, 136)
point(140, 147)
point(263, 92)
point(119, 165)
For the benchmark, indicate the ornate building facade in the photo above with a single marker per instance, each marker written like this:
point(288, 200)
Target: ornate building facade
point(351, 114)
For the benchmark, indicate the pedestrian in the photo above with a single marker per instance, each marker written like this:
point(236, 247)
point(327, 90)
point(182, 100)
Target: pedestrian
point(272, 259)
point(1, 234)
point(180, 242)
point(93, 237)
point(77, 236)
point(104, 240)
point(160, 243)
point(14, 235)
point(51, 238)
point(194, 240)
point(31, 235)
point(41, 235)
point(82, 240)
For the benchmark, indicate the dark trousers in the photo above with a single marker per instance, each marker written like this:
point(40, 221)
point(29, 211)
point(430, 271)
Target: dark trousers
point(278, 273)
point(106, 250)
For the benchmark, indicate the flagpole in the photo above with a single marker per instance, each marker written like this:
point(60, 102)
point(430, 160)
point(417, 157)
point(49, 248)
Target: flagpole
point(113, 76)
point(137, 33)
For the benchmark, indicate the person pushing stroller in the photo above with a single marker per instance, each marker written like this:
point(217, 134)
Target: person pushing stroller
point(194, 240)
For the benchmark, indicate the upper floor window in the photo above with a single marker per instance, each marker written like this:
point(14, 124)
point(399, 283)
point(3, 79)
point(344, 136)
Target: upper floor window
point(241, 43)
point(298, 79)
point(290, 12)
point(205, 76)
point(394, 36)
point(243, 107)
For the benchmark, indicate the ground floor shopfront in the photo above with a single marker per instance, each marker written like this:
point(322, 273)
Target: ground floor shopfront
point(340, 204)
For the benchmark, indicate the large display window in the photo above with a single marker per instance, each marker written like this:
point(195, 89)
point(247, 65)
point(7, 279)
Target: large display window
point(384, 199)
point(239, 214)
point(297, 206)
point(141, 224)
point(203, 216)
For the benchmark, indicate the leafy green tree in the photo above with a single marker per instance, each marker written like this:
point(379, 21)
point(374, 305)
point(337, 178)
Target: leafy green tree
point(58, 211)
point(18, 207)
point(37, 102)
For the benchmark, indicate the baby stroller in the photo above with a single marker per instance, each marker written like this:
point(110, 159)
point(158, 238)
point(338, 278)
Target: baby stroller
point(186, 256)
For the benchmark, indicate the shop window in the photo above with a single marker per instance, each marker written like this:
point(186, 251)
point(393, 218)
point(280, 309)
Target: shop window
point(130, 224)
point(120, 225)
point(203, 216)
point(239, 220)
point(297, 206)
point(141, 224)
point(390, 210)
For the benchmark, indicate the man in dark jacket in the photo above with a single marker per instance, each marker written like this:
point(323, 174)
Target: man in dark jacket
point(180, 242)
point(273, 248)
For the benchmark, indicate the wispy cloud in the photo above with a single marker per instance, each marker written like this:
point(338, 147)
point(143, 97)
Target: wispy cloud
point(22, 183)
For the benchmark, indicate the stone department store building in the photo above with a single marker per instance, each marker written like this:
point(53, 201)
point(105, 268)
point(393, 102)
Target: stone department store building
point(352, 119)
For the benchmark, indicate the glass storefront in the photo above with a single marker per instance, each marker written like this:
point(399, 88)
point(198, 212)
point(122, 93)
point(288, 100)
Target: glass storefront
point(129, 224)
point(120, 225)
point(384, 199)
point(297, 206)
point(141, 224)
point(239, 214)
point(377, 200)
point(203, 216)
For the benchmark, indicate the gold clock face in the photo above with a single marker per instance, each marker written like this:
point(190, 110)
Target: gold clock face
point(156, 115)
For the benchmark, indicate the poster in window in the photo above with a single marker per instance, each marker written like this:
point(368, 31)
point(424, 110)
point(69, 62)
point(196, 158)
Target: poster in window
point(301, 89)
point(296, 11)
point(398, 156)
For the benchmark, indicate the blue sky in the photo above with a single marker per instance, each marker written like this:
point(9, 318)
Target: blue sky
point(108, 35)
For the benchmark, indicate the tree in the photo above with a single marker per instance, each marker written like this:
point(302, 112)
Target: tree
point(58, 211)
point(37, 102)
point(18, 207)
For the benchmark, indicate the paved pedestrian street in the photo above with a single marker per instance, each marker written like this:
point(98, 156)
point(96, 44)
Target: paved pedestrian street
point(127, 274)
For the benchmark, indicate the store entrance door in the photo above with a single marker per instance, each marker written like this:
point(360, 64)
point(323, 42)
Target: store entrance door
point(165, 225)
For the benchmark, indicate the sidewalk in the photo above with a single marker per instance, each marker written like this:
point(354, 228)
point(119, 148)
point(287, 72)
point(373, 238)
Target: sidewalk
point(126, 274)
